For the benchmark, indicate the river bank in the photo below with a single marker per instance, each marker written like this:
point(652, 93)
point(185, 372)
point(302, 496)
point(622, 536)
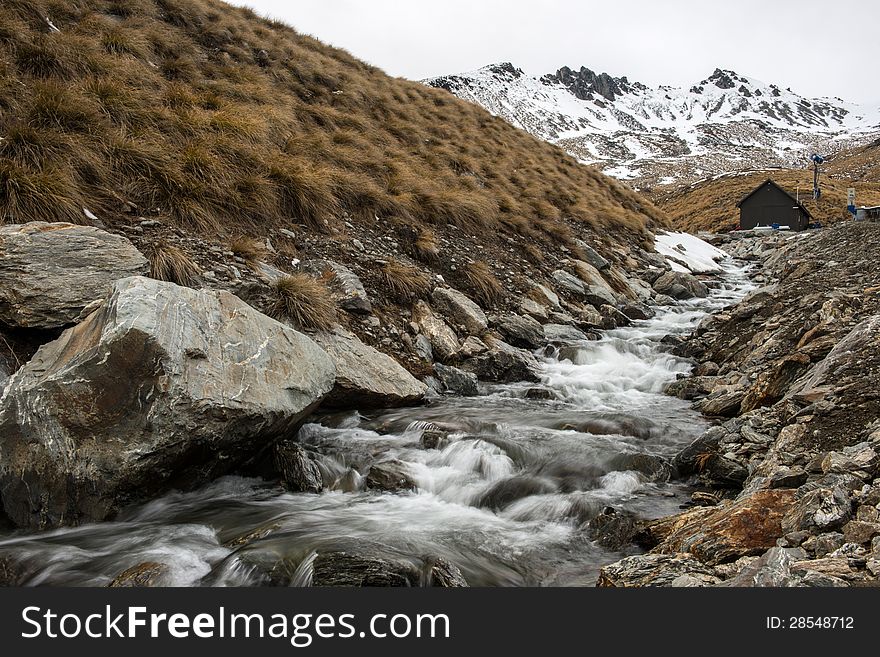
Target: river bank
point(788, 476)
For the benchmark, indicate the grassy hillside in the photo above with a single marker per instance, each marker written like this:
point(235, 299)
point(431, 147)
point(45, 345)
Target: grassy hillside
point(224, 123)
point(711, 205)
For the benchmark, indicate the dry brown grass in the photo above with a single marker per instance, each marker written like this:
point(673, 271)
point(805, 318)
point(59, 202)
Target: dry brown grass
point(248, 248)
point(426, 246)
point(305, 301)
point(482, 283)
point(172, 264)
point(405, 283)
point(169, 104)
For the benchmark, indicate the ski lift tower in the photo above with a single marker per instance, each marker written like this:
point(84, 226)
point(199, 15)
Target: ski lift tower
point(817, 160)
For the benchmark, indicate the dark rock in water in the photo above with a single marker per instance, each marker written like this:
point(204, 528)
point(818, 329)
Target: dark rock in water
point(612, 529)
point(823, 509)
point(637, 311)
point(540, 394)
point(161, 387)
point(298, 471)
point(687, 460)
point(655, 468)
point(392, 476)
point(612, 318)
point(147, 574)
point(718, 471)
point(680, 285)
point(346, 569)
point(443, 574)
point(251, 535)
point(507, 491)
point(504, 363)
point(523, 332)
point(562, 334)
point(457, 381)
point(690, 388)
point(11, 572)
point(657, 570)
point(433, 438)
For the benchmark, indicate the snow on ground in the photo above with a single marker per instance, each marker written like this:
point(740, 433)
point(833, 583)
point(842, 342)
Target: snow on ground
point(687, 252)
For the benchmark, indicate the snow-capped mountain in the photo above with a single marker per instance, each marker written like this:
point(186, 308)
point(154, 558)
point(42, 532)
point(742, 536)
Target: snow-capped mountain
point(665, 135)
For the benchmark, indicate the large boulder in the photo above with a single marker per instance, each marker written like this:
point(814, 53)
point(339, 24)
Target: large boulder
point(456, 381)
point(163, 386)
point(519, 331)
point(49, 273)
point(597, 290)
point(749, 526)
point(366, 377)
point(444, 342)
point(504, 363)
point(460, 309)
point(680, 285)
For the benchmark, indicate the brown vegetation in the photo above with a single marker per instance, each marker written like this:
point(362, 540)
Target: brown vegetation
point(405, 283)
point(223, 122)
point(305, 301)
point(482, 284)
point(169, 263)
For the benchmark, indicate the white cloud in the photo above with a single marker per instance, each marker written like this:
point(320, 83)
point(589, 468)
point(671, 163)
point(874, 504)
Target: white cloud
point(817, 48)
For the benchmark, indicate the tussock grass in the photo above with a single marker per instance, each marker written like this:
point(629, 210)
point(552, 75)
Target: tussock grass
point(172, 264)
point(426, 246)
point(248, 248)
point(171, 105)
point(305, 301)
point(405, 283)
point(482, 283)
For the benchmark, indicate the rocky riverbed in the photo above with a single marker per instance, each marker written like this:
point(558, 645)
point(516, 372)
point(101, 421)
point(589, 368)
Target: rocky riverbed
point(159, 434)
point(788, 490)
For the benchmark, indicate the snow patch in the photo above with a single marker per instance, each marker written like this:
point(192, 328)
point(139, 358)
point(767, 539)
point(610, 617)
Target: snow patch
point(688, 253)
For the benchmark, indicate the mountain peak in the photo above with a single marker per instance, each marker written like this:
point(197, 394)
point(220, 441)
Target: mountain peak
point(585, 83)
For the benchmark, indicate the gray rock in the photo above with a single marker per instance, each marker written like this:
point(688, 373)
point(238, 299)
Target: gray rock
point(519, 331)
point(687, 460)
point(637, 311)
point(347, 569)
point(724, 402)
point(613, 529)
point(561, 334)
point(444, 342)
point(472, 346)
point(459, 309)
point(534, 309)
point(773, 568)
point(366, 377)
point(392, 476)
point(443, 574)
point(680, 285)
point(49, 273)
point(504, 363)
point(457, 381)
point(852, 460)
point(612, 318)
point(163, 386)
point(298, 471)
point(570, 284)
point(823, 509)
point(597, 290)
point(656, 570)
point(592, 256)
point(347, 287)
point(545, 296)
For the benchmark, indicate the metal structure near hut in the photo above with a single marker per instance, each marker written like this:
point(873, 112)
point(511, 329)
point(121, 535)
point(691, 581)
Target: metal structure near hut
point(769, 205)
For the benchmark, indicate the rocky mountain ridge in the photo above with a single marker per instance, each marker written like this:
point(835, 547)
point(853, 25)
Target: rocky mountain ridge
point(667, 135)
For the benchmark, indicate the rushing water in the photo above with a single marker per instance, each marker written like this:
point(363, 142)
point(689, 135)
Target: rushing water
point(506, 498)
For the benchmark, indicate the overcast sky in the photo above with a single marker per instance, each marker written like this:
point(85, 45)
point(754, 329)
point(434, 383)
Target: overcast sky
point(818, 48)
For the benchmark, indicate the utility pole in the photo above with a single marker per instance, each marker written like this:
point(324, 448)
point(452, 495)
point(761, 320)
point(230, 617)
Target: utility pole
point(817, 160)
